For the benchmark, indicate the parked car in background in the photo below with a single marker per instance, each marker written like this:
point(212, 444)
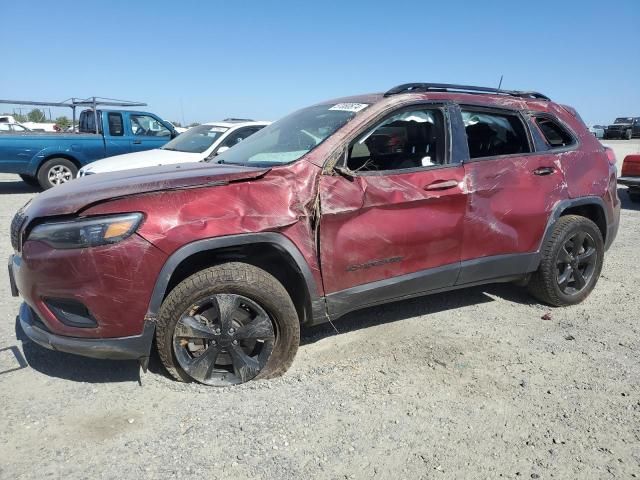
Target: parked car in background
point(48, 160)
point(8, 124)
point(624, 128)
point(597, 130)
point(196, 144)
point(342, 205)
point(16, 127)
point(42, 127)
point(7, 119)
point(630, 176)
point(179, 129)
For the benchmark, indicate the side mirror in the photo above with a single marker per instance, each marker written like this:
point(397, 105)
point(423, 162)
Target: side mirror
point(174, 134)
point(222, 150)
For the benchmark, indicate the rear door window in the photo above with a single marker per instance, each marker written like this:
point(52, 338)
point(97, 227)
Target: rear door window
point(492, 134)
point(115, 124)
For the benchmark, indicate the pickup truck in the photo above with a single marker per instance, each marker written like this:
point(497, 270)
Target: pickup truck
point(47, 160)
point(630, 176)
point(623, 128)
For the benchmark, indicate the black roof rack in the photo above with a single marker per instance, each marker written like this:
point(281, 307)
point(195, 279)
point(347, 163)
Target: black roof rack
point(447, 87)
point(91, 102)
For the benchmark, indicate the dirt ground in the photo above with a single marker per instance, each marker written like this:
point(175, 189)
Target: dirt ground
point(470, 384)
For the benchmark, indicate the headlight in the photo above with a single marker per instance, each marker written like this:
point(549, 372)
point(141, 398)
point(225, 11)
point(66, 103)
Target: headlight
point(87, 232)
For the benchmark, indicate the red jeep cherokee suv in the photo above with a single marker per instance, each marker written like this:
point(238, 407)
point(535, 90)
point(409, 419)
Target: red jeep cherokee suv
point(338, 206)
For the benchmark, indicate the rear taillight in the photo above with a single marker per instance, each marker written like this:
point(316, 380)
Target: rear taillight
point(631, 166)
point(611, 156)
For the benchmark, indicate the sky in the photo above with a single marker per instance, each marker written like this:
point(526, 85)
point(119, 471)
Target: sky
point(198, 61)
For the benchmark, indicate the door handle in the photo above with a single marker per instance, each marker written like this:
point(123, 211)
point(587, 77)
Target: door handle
point(542, 171)
point(137, 142)
point(441, 185)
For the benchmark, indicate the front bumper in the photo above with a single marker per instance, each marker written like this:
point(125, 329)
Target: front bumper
point(613, 134)
point(113, 283)
point(629, 181)
point(123, 348)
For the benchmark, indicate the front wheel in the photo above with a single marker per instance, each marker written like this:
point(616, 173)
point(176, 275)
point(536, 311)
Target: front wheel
point(226, 325)
point(634, 195)
point(56, 172)
point(628, 135)
point(571, 262)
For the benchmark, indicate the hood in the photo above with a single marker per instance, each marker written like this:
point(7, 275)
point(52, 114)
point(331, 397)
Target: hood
point(614, 125)
point(147, 158)
point(72, 197)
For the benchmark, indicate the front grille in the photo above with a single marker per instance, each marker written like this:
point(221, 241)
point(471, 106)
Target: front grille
point(17, 224)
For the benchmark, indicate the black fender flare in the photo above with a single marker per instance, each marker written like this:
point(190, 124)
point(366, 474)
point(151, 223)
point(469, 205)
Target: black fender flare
point(565, 204)
point(210, 244)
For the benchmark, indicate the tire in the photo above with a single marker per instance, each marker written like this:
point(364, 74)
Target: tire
point(47, 171)
point(634, 196)
point(29, 180)
point(545, 282)
point(628, 135)
point(255, 288)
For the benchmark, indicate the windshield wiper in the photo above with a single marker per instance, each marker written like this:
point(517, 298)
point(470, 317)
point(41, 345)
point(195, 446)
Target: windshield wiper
point(223, 162)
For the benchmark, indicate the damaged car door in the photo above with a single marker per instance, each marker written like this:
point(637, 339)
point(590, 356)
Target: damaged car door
point(513, 186)
point(392, 219)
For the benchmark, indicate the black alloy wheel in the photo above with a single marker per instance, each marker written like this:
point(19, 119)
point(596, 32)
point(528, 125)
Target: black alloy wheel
point(576, 263)
point(223, 339)
point(571, 259)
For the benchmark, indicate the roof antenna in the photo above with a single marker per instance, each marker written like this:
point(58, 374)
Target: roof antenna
point(500, 84)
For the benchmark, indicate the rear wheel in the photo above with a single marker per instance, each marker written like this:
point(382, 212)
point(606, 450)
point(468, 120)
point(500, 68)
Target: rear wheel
point(29, 180)
point(571, 262)
point(227, 325)
point(56, 172)
point(634, 195)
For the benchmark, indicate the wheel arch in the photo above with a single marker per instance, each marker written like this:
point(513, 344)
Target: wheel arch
point(273, 252)
point(590, 207)
point(51, 156)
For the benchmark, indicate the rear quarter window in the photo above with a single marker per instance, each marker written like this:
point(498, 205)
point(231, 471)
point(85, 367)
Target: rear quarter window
point(554, 134)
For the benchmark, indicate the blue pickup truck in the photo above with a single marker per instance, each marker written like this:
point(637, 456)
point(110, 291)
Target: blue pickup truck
point(48, 160)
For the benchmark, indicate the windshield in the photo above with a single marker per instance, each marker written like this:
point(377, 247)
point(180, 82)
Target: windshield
point(623, 120)
point(196, 139)
point(291, 137)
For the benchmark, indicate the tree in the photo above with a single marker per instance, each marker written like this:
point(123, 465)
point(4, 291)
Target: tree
point(63, 122)
point(36, 116)
point(194, 124)
point(176, 124)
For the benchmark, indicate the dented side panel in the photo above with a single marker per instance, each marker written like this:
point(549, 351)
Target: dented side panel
point(381, 226)
point(282, 201)
point(586, 166)
point(509, 205)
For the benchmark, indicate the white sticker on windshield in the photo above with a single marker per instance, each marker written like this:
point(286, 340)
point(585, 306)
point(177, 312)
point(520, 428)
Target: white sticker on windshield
point(218, 129)
point(349, 107)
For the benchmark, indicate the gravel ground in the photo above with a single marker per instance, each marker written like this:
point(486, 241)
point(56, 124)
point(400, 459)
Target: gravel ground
point(469, 384)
